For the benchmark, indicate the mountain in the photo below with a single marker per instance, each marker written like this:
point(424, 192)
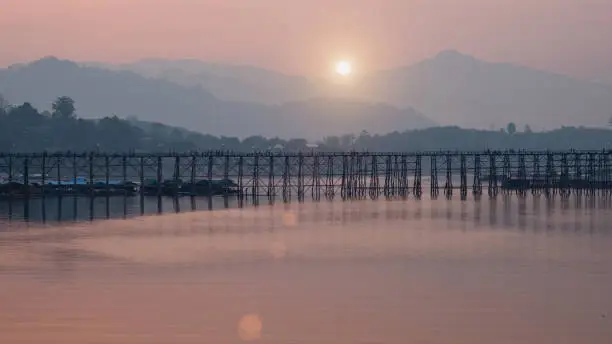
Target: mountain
point(453, 88)
point(102, 92)
point(226, 82)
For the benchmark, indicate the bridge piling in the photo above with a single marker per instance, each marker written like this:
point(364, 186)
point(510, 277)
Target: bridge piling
point(374, 178)
point(448, 186)
point(463, 176)
point(433, 170)
point(417, 186)
point(477, 183)
point(330, 190)
point(286, 175)
point(356, 175)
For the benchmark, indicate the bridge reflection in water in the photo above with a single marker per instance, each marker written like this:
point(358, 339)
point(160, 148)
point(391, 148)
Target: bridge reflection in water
point(528, 212)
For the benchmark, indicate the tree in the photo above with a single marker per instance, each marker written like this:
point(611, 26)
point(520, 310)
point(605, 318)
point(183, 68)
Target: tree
point(347, 141)
point(63, 107)
point(511, 128)
point(296, 145)
point(528, 129)
point(25, 114)
point(363, 140)
point(4, 105)
point(257, 142)
point(332, 142)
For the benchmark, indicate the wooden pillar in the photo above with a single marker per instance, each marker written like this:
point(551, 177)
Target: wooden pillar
point(433, 170)
point(300, 177)
point(159, 175)
point(91, 175)
point(192, 175)
point(271, 184)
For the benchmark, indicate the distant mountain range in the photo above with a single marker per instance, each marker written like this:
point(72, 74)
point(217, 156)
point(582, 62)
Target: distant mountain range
point(227, 82)
point(450, 88)
point(101, 92)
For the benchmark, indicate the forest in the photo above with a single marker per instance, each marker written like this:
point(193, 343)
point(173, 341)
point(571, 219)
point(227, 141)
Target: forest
point(24, 128)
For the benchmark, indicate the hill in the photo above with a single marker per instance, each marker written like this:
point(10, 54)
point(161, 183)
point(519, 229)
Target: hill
point(101, 92)
point(451, 88)
point(227, 82)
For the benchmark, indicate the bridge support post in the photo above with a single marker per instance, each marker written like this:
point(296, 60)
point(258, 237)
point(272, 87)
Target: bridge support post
point(254, 183)
point(177, 170)
point(301, 191)
point(192, 176)
point(362, 170)
point(241, 192)
point(209, 176)
point(107, 184)
point(159, 175)
point(59, 161)
point(142, 186)
point(493, 183)
point(463, 174)
point(388, 171)
point(160, 179)
point(124, 175)
point(43, 172)
point(536, 178)
point(477, 183)
point(90, 182)
point(10, 169)
point(330, 187)
point(286, 176)
point(374, 178)
point(448, 186)
point(522, 176)
point(434, 190)
point(418, 171)
point(271, 185)
point(564, 182)
point(404, 184)
point(507, 169)
point(316, 178)
point(344, 181)
point(226, 166)
point(591, 179)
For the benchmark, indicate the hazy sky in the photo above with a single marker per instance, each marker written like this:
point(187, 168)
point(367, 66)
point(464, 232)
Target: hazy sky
point(306, 36)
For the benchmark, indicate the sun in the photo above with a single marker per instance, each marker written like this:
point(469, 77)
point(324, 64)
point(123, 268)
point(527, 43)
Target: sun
point(344, 68)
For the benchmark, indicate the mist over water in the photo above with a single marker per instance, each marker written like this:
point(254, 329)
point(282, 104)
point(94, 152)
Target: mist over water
point(507, 270)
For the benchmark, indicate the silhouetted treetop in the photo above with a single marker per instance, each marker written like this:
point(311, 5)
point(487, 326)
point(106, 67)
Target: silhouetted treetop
point(63, 107)
point(24, 129)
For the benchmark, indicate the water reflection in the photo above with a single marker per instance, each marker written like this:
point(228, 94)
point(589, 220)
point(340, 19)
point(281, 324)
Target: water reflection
point(77, 209)
point(506, 270)
point(514, 211)
point(249, 327)
point(525, 213)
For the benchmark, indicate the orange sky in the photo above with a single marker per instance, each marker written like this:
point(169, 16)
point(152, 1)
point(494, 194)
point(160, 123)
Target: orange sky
point(305, 36)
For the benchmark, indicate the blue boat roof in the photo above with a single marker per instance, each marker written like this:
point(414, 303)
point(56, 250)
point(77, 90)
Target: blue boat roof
point(78, 181)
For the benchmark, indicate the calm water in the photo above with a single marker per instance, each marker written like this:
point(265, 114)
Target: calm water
point(505, 271)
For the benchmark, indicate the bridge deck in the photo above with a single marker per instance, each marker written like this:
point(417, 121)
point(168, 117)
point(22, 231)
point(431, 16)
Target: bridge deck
point(310, 174)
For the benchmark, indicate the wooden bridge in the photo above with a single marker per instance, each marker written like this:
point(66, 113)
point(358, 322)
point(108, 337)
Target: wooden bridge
point(310, 175)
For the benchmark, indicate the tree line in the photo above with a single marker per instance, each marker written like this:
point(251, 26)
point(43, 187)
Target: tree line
point(24, 128)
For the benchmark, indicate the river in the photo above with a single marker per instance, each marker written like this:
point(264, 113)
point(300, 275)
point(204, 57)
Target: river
point(510, 270)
